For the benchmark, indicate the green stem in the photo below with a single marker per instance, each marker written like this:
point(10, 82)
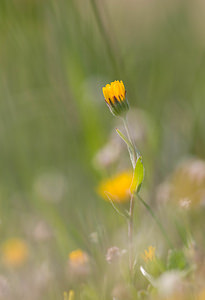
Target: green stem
point(132, 202)
point(159, 224)
point(136, 152)
point(131, 211)
point(133, 156)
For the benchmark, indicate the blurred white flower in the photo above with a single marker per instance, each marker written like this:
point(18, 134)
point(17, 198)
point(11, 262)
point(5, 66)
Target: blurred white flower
point(113, 254)
point(196, 170)
point(185, 202)
point(42, 231)
point(4, 287)
point(186, 185)
point(94, 237)
point(170, 282)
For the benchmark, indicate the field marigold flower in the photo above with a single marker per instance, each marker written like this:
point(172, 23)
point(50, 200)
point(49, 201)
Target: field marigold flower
point(149, 255)
point(117, 187)
point(14, 252)
point(115, 97)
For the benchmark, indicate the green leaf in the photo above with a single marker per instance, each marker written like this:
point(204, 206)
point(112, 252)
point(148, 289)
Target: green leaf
point(129, 146)
point(125, 139)
point(176, 260)
point(138, 176)
point(148, 276)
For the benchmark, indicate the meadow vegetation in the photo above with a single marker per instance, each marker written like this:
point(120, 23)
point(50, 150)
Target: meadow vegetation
point(66, 177)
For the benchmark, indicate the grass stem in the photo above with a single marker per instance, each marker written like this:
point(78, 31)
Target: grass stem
point(105, 37)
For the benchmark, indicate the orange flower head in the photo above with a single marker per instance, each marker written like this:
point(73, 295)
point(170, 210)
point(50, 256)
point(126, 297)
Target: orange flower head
point(14, 252)
point(115, 97)
point(149, 255)
point(78, 258)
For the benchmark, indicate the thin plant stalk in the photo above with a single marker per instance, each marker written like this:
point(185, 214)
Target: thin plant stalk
point(130, 232)
point(130, 138)
point(132, 204)
point(131, 210)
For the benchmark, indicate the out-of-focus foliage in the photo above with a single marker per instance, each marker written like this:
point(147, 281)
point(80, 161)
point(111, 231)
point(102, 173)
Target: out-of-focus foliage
point(58, 140)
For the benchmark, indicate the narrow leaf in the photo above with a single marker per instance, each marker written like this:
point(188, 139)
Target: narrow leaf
point(148, 276)
point(125, 139)
point(129, 146)
point(114, 206)
point(138, 176)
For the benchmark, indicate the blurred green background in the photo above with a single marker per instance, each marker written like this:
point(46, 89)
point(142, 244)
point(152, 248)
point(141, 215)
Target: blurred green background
point(55, 56)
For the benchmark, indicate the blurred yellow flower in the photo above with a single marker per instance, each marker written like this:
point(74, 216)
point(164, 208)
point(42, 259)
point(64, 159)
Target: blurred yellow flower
point(116, 187)
point(78, 257)
point(201, 295)
point(14, 252)
point(114, 94)
point(70, 295)
point(78, 266)
point(149, 255)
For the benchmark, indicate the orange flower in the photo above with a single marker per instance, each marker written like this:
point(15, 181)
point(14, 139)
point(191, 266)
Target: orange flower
point(114, 94)
point(78, 265)
point(78, 258)
point(117, 187)
point(149, 255)
point(14, 252)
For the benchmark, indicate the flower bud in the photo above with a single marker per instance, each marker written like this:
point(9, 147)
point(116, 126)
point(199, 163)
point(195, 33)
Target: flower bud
point(115, 97)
